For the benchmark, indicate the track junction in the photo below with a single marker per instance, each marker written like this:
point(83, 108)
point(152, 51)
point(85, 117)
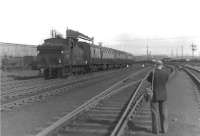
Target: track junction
point(75, 107)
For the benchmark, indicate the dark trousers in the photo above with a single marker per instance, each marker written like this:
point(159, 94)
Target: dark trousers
point(159, 111)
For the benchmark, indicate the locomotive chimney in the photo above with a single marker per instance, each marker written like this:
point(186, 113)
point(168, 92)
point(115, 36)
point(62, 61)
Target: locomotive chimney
point(51, 32)
point(100, 44)
point(66, 32)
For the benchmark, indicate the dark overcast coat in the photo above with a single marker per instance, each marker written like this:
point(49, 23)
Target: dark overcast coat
point(159, 84)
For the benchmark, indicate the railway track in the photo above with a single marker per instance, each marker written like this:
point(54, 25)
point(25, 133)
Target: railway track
point(141, 125)
point(29, 88)
point(38, 86)
point(193, 71)
point(18, 83)
point(9, 86)
point(40, 94)
point(105, 114)
point(193, 66)
point(194, 74)
point(29, 84)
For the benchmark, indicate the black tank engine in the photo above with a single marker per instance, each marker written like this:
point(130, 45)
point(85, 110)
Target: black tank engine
point(59, 56)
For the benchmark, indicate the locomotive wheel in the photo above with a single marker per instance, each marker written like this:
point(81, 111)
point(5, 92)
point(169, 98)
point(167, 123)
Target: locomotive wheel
point(54, 73)
point(59, 73)
point(46, 74)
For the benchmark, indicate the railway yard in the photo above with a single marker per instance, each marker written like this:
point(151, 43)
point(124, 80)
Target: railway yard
point(100, 68)
point(100, 103)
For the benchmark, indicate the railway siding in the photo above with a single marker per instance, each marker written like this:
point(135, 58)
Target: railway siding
point(193, 73)
point(195, 76)
point(20, 87)
point(39, 94)
point(118, 99)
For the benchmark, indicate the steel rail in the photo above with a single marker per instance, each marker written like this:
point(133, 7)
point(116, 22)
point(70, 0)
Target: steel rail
point(90, 103)
point(40, 96)
point(193, 76)
point(49, 84)
point(190, 67)
point(120, 126)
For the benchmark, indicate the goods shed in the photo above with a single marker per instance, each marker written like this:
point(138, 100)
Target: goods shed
point(17, 55)
point(17, 50)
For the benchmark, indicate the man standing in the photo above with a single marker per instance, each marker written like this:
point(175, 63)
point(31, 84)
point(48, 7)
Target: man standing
point(158, 78)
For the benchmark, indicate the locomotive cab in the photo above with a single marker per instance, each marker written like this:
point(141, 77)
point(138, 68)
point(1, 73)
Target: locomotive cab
point(51, 56)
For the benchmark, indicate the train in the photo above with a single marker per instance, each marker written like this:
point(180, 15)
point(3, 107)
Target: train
point(76, 54)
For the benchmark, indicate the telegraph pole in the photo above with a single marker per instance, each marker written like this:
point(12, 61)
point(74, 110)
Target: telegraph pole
point(172, 53)
point(147, 50)
point(176, 52)
point(194, 48)
point(182, 51)
point(150, 54)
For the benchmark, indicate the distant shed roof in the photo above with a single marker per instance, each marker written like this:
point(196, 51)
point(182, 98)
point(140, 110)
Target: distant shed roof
point(15, 44)
point(17, 50)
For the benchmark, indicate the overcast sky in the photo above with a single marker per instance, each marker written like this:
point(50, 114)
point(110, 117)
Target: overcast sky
point(128, 25)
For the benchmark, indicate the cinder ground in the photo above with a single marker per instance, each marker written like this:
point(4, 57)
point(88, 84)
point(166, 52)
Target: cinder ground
point(183, 105)
point(183, 108)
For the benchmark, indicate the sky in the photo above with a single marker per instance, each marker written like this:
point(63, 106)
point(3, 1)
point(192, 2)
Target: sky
point(129, 25)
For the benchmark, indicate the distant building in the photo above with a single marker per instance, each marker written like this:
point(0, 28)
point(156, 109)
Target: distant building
point(17, 50)
point(14, 56)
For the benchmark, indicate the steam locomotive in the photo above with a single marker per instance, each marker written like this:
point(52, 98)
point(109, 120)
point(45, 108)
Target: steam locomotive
point(59, 56)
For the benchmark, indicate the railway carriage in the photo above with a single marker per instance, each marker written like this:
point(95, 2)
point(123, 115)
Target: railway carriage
point(59, 56)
